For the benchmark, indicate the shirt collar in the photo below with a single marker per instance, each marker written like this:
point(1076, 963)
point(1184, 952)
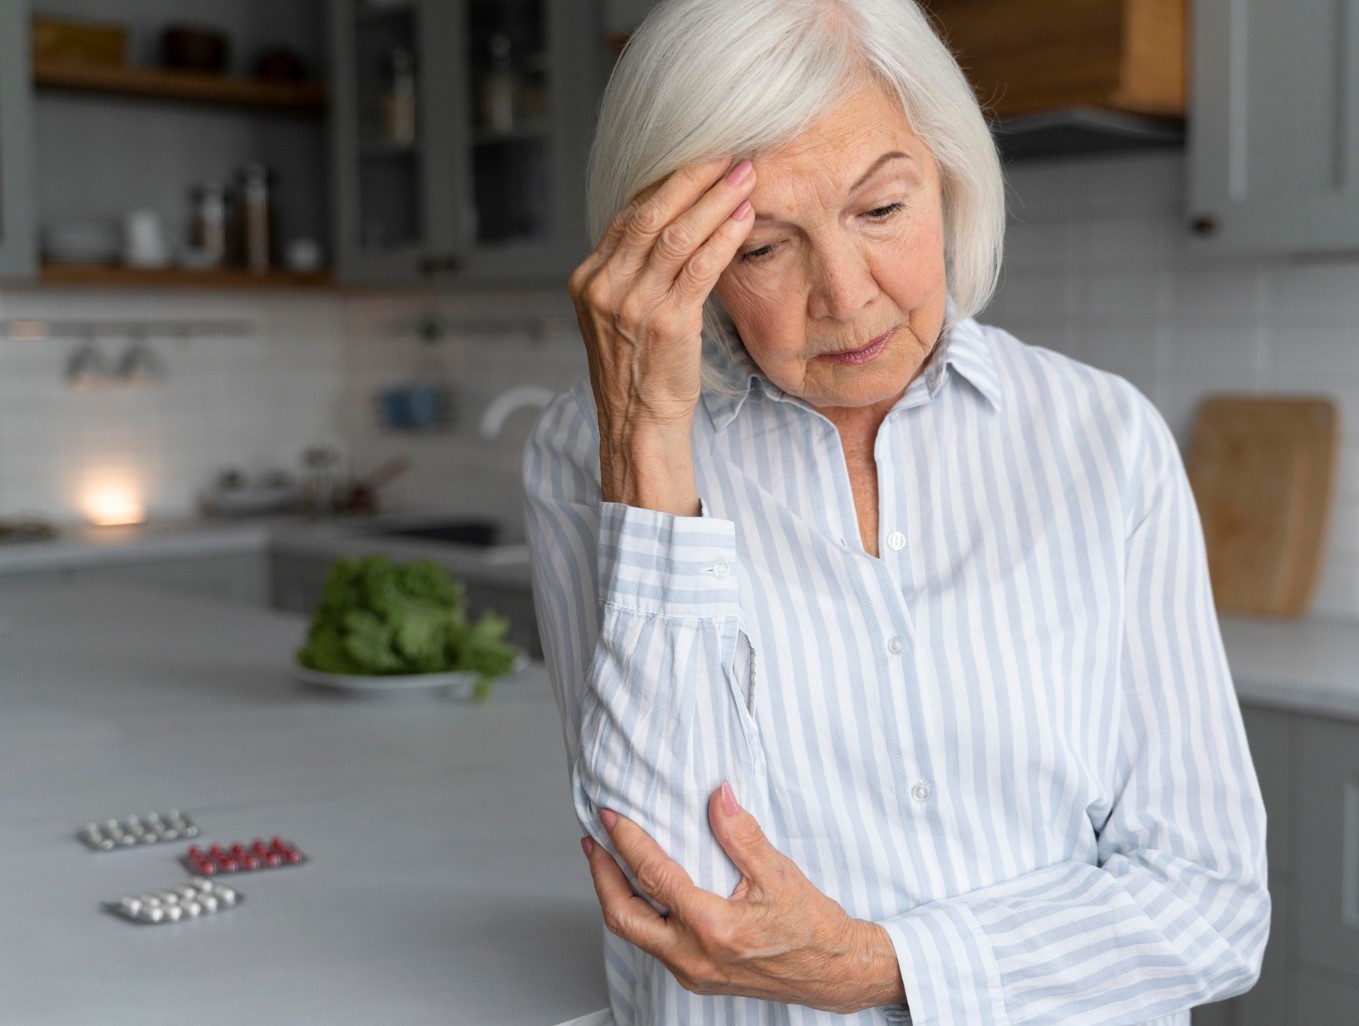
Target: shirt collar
point(963, 350)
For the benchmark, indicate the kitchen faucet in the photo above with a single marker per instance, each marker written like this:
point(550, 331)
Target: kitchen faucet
point(508, 402)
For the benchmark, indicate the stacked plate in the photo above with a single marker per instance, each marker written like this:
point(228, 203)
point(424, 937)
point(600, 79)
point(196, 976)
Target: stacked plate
point(82, 242)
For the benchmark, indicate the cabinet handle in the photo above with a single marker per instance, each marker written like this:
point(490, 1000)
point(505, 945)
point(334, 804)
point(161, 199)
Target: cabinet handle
point(1204, 224)
point(436, 264)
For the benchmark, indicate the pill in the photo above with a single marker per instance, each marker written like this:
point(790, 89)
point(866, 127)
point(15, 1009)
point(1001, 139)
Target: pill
point(153, 914)
point(130, 905)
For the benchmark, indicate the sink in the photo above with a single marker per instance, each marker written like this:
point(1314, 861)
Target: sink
point(479, 534)
point(491, 540)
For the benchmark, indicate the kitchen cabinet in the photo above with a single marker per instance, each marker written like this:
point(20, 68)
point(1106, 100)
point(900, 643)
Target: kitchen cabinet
point(1273, 148)
point(17, 252)
point(1120, 55)
point(459, 136)
point(1308, 768)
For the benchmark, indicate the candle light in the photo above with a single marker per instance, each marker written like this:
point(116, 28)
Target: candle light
point(110, 506)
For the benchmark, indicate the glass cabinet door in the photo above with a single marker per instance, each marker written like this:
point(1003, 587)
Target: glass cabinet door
point(391, 143)
point(535, 70)
point(461, 130)
point(18, 190)
point(511, 79)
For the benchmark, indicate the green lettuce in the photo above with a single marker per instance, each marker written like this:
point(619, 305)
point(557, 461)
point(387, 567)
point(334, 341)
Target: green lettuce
point(379, 618)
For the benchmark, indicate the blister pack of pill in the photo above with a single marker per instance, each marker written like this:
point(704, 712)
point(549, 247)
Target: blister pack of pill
point(193, 900)
point(135, 831)
point(239, 858)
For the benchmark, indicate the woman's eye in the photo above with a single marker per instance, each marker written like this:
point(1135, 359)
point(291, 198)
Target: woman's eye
point(758, 254)
point(883, 213)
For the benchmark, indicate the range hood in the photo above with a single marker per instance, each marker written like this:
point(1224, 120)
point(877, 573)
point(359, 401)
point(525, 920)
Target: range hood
point(1082, 131)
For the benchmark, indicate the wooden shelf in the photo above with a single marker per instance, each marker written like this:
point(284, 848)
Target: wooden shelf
point(115, 276)
point(194, 86)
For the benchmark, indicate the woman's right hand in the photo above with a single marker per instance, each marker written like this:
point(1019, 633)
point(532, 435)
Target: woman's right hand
point(639, 300)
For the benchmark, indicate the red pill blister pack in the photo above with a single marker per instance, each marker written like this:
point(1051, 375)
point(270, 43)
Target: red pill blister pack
point(218, 859)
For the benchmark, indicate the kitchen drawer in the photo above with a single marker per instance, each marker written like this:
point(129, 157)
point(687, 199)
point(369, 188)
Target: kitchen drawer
point(1273, 999)
point(1268, 731)
point(1325, 1001)
point(1326, 820)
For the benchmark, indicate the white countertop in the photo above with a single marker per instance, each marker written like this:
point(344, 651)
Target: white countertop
point(79, 547)
point(445, 884)
point(1306, 665)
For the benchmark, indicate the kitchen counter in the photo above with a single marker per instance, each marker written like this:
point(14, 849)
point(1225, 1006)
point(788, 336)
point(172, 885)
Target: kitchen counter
point(81, 547)
point(1306, 666)
point(445, 881)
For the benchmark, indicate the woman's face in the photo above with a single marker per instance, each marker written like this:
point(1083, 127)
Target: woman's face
point(838, 293)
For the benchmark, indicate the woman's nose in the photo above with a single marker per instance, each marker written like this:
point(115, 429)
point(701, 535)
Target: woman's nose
point(843, 285)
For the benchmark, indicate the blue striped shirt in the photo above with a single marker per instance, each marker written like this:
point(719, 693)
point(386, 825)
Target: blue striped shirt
point(1012, 740)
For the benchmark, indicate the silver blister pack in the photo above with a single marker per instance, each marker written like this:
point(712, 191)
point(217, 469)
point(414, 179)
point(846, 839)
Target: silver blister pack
point(192, 900)
point(136, 831)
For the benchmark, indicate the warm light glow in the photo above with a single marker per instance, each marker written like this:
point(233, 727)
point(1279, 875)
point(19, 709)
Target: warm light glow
point(110, 507)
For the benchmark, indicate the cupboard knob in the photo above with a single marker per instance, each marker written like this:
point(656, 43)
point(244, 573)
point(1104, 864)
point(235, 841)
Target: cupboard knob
point(1203, 224)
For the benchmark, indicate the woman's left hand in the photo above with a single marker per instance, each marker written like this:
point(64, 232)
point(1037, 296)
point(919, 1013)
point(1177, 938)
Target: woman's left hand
point(776, 938)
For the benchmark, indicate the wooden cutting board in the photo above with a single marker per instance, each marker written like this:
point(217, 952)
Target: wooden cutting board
point(1262, 470)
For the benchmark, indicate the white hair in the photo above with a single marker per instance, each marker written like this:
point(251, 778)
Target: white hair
point(702, 79)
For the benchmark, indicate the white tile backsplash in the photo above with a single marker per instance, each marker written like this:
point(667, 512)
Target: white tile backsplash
point(1096, 268)
point(1114, 286)
point(249, 402)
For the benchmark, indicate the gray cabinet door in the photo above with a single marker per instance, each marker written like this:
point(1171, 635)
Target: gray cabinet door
point(18, 190)
point(393, 196)
point(1327, 831)
point(1274, 126)
point(491, 188)
point(1273, 999)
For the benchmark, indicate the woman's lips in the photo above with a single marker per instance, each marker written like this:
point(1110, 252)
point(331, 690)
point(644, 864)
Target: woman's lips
point(852, 357)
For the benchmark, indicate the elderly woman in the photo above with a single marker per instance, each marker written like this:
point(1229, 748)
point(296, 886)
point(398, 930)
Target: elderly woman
point(884, 645)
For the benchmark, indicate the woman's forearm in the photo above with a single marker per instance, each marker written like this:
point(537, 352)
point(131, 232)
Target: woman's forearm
point(649, 467)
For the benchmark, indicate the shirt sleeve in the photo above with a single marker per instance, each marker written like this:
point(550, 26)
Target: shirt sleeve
point(639, 615)
point(1176, 913)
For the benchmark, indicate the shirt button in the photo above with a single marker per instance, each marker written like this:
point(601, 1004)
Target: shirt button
point(896, 541)
point(896, 644)
point(920, 791)
point(720, 568)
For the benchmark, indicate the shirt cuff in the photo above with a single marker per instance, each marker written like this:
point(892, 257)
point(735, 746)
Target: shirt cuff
point(950, 975)
point(676, 566)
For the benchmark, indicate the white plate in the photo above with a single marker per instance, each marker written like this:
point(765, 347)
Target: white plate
point(459, 685)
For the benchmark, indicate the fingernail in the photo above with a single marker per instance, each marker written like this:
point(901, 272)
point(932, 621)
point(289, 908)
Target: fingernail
point(587, 846)
point(739, 173)
point(729, 805)
point(741, 212)
point(609, 818)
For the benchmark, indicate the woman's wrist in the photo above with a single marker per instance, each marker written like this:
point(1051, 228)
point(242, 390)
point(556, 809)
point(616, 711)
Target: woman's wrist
point(874, 968)
point(651, 467)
